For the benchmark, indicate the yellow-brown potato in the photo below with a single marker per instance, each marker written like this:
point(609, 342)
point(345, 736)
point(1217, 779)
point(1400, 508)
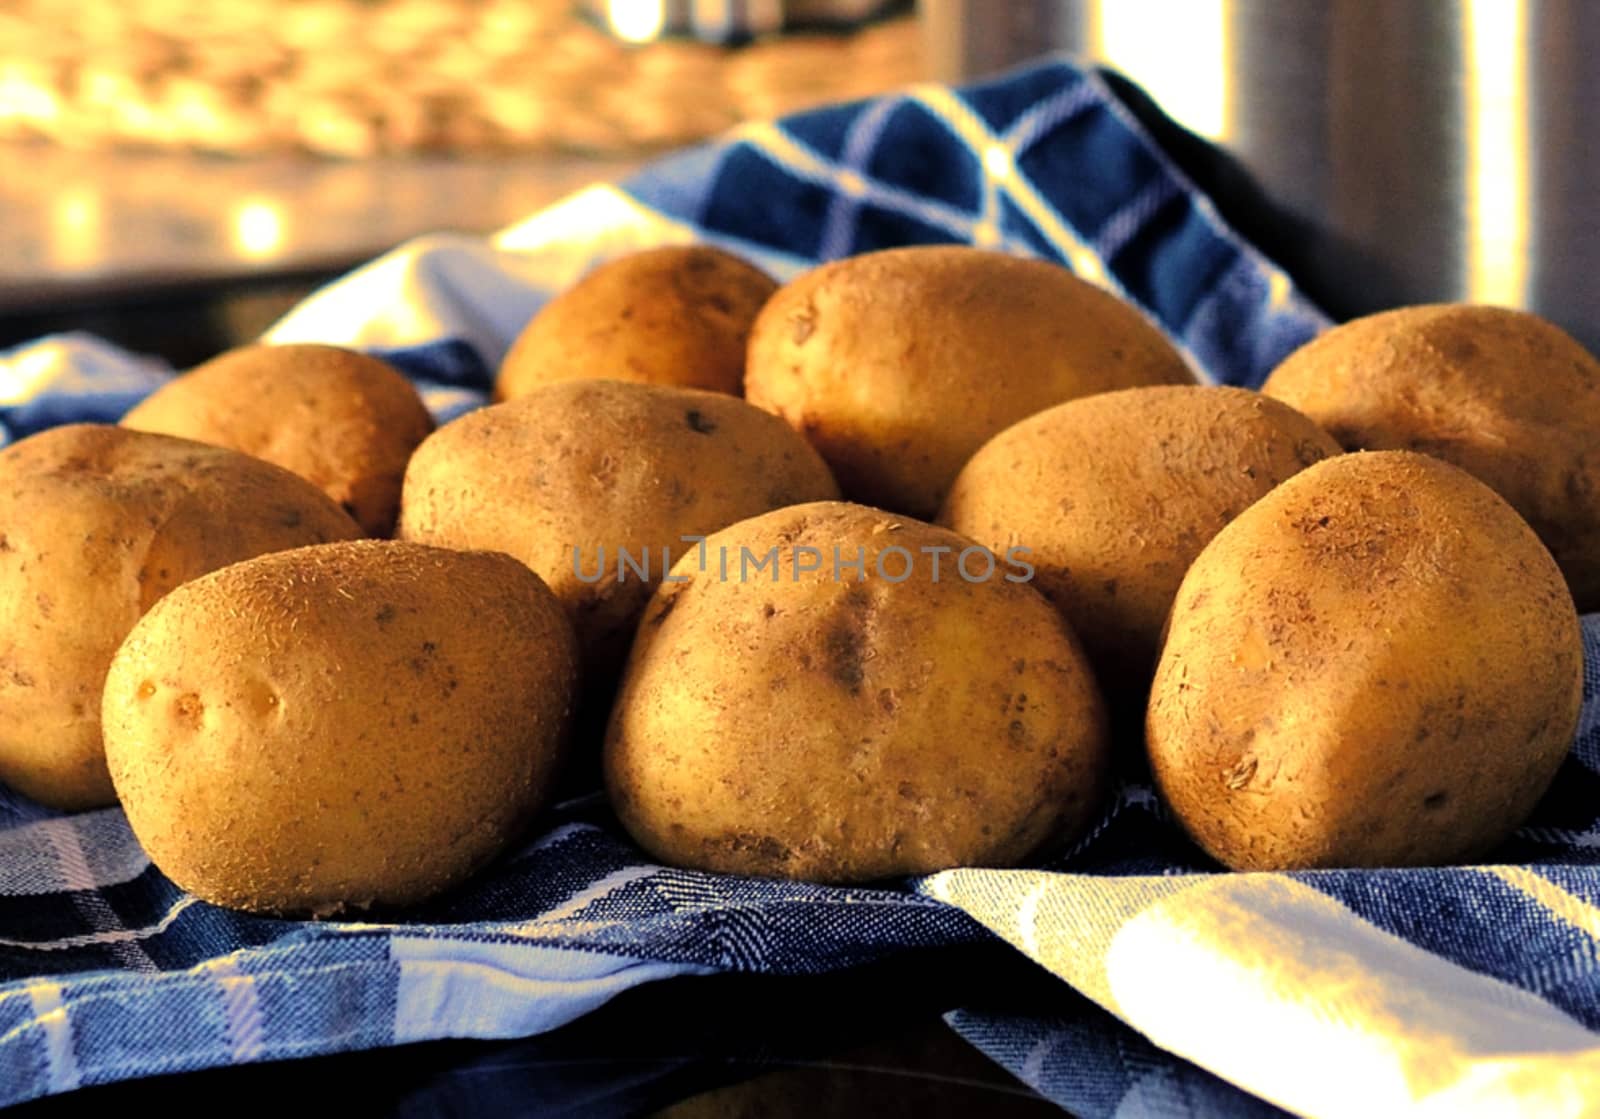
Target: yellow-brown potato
point(898, 365)
point(556, 476)
point(1114, 496)
point(1377, 664)
point(96, 524)
point(337, 727)
point(679, 315)
point(1507, 396)
point(342, 420)
point(796, 721)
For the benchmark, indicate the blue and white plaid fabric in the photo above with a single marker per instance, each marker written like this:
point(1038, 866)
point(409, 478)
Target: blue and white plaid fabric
point(1454, 991)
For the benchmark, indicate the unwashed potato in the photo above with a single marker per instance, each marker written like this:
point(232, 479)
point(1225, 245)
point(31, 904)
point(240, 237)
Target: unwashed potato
point(679, 315)
point(1507, 396)
point(797, 721)
point(338, 727)
point(1377, 664)
point(898, 365)
point(571, 475)
point(1114, 496)
point(96, 524)
point(342, 420)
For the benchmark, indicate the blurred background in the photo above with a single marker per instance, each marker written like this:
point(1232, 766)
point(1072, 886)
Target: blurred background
point(175, 173)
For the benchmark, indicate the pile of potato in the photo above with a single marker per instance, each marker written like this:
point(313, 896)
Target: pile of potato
point(973, 541)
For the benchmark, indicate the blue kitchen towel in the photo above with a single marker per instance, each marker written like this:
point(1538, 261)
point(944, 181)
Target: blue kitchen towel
point(1451, 991)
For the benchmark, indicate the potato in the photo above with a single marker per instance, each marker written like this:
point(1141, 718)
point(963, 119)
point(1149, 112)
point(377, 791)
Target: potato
point(342, 420)
point(96, 524)
point(1377, 664)
point(1114, 496)
point(679, 315)
point(1508, 397)
point(898, 365)
point(572, 475)
point(795, 721)
point(338, 727)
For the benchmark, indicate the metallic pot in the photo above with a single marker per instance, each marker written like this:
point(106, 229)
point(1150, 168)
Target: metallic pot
point(1385, 151)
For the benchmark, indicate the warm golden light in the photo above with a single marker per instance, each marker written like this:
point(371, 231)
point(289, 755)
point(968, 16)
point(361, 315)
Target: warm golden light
point(76, 227)
point(23, 98)
point(1177, 50)
point(636, 21)
point(1496, 34)
point(258, 229)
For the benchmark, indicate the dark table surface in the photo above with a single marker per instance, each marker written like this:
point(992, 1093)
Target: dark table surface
point(183, 255)
point(99, 225)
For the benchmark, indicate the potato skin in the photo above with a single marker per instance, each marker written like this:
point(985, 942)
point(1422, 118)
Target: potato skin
point(678, 315)
point(1116, 494)
point(96, 524)
point(1507, 396)
point(1377, 664)
point(350, 725)
point(899, 364)
point(845, 731)
point(345, 421)
point(590, 464)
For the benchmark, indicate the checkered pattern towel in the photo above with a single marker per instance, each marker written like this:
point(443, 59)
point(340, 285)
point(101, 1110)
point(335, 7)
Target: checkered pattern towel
point(1452, 992)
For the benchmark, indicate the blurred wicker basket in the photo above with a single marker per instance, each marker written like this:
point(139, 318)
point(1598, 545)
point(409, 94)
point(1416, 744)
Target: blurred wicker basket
point(361, 77)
